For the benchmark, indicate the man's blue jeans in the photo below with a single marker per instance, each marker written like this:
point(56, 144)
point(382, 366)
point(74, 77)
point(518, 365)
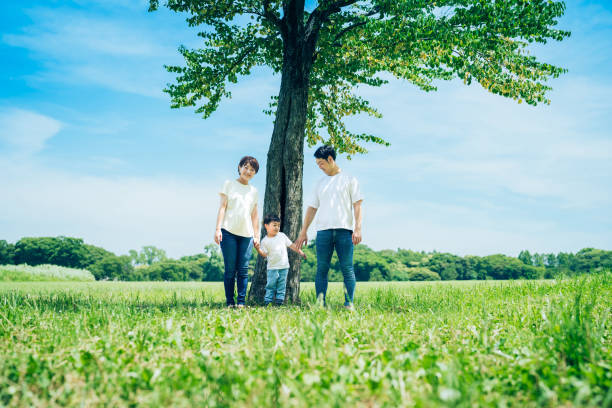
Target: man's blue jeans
point(275, 286)
point(236, 255)
point(342, 241)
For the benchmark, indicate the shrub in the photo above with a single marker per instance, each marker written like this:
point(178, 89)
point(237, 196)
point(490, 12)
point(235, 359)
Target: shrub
point(43, 273)
point(422, 274)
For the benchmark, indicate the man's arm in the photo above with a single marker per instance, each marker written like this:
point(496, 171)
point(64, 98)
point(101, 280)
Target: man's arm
point(303, 237)
point(358, 217)
point(295, 248)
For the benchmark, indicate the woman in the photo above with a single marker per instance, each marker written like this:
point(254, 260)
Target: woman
point(238, 228)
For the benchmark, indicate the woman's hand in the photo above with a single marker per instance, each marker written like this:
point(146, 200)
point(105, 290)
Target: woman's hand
point(256, 242)
point(218, 236)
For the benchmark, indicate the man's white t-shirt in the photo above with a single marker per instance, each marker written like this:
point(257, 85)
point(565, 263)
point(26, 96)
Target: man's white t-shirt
point(241, 199)
point(276, 250)
point(333, 198)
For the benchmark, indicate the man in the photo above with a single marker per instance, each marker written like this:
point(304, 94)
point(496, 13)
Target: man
point(337, 203)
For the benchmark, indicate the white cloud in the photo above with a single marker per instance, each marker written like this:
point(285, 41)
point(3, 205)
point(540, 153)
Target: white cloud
point(85, 48)
point(72, 35)
point(26, 132)
point(118, 214)
point(466, 138)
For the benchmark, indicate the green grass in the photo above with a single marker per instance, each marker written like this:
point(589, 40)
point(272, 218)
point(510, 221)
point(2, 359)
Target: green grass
point(464, 344)
point(48, 273)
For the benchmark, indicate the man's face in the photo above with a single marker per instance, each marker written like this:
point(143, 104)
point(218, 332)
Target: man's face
point(325, 164)
point(272, 228)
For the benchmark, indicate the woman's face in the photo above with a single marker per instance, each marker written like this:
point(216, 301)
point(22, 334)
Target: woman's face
point(246, 172)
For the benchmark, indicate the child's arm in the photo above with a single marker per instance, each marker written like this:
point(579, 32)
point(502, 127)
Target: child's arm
point(294, 248)
point(257, 246)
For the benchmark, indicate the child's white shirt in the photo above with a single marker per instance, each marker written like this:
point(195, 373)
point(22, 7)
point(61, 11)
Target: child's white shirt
point(276, 250)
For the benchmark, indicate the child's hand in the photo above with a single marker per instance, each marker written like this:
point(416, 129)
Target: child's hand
point(302, 254)
point(256, 244)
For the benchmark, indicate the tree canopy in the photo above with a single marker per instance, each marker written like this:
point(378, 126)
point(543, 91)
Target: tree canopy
point(350, 43)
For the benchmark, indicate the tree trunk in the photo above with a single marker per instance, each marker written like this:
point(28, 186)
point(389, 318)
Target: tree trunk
point(285, 167)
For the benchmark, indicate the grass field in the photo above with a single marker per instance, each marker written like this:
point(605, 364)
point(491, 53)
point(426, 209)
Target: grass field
point(515, 344)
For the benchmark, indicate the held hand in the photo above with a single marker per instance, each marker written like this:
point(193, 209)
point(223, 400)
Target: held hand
point(356, 236)
point(301, 240)
point(218, 237)
point(256, 242)
point(302, 254)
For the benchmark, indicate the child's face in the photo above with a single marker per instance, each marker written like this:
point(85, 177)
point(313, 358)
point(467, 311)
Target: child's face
point(272, 228)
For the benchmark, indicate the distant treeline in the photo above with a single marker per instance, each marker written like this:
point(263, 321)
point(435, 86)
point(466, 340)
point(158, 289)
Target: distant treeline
point(151, 263)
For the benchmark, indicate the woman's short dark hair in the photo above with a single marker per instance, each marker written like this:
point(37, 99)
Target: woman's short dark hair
point(249, 160)
point(271, 218)
point(324, 152)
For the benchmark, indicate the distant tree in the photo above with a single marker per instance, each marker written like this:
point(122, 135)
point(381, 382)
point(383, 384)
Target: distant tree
point(525, 257)
point(423, 274)
point(92, 254)
point(448, 266)
point(399, 272)
point(369, 265)
point(566, 262)
point(324, 50)
point(213, 270)
point(148, 255)
point(538, 260)
point(113, 267)
point(6, 252)
point(551, 261)
point(588, 259)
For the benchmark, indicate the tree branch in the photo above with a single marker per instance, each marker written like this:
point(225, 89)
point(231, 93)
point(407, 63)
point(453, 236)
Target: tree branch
point(269, 14)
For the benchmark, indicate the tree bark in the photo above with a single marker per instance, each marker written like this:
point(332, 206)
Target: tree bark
point(285, 164)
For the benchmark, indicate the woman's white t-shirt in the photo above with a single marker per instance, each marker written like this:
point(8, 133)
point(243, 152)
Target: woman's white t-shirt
point(333, 198)
point(276, 250)
point(241, 199)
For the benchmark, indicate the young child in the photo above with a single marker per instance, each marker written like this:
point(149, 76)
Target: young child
point(274, 248)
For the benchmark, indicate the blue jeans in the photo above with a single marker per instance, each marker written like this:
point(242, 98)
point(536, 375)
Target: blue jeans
point(342, 240)
point(275, 286)
point(236, 256)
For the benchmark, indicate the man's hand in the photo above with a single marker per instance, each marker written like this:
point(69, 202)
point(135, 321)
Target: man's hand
point(302, 254)
point(301, 240)
point(356, 236)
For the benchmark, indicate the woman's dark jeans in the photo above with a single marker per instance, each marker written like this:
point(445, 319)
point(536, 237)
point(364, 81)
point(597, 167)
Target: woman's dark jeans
point(342, 241)
point(236, 255)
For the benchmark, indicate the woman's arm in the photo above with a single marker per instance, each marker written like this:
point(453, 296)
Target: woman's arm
point(255, 221)
point(220, 216)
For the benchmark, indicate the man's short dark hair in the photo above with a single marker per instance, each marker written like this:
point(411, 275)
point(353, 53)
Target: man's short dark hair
point(271, 218)
point(249, 160)
point(324, 152)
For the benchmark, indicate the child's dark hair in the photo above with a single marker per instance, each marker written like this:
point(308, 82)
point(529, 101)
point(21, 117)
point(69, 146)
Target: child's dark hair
point(271, 218)
point(324, 152)
point(249, 160)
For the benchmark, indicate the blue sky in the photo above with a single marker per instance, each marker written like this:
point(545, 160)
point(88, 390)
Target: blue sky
point(89, 146)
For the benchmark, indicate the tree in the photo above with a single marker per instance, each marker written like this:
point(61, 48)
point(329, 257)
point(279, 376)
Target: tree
point(148, 255)
point(6, 252)
point(113, 267)
point(525, 257)
point(325, 51)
